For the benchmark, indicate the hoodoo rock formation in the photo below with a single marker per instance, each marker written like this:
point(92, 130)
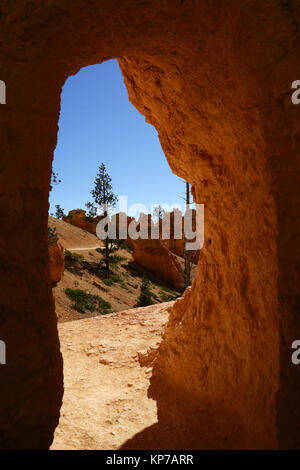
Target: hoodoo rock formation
point(79, 218)
point(214, 79)
point(155, 257)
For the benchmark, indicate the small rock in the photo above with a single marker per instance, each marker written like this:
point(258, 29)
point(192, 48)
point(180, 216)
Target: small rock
point(90, 352)
point(104, 361)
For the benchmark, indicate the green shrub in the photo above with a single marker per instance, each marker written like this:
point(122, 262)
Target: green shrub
point(84, 301)
point(73, 257)
point(170, 291)
point(73, 270)
point(75, 263)
point(103, 304)
point(167, 297)
point(122, 244)
point(52, 236)
point(112, 279)
point(81, 307)
point(145, 297)
point(113, 259)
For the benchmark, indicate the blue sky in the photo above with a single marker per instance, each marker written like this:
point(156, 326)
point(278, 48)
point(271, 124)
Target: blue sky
point(98, 124)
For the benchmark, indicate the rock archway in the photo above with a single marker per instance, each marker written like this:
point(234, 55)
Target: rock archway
point(214, 79)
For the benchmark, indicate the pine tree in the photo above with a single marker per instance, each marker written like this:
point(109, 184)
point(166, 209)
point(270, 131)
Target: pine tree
point(52, 236)
point(54, 180)
point(91, 210)
point(103, 192)
point(59, 213)
point(105, 198)
point(145, 297)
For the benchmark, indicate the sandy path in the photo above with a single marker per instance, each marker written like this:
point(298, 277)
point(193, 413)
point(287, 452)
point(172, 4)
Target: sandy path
point(74, 238)
point(105, 401)
point(86, 249)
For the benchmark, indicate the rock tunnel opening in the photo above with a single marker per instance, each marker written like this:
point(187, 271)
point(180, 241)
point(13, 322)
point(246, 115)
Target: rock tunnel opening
point(131, 149)
point(239, 206)
point(95, 126)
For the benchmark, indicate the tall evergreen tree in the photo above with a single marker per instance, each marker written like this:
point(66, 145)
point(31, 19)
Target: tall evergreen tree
point(105, 198)
point(145, 297)
point(102, 193)
point(91, 210)
point(59, 213)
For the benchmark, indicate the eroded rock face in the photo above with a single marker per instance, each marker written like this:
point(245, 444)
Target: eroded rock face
point(78, 218)
point(214, 79)
point(155, 257)
point(56, 262)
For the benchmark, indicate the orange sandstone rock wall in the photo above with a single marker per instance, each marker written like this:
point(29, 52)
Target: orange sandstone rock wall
point(214, 79)
point(78, 218)
point(155, 257)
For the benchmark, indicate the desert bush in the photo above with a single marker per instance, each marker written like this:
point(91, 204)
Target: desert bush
point(52, 236)
point(166, 294)
point(74, 262)
point(84, 301)
point(113, 278)
point(73, 257)
point(167, 297)
point(115, 259)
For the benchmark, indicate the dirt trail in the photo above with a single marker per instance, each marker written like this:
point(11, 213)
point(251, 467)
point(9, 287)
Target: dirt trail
point(105, 401)
point(73, 238)
point(86, 249)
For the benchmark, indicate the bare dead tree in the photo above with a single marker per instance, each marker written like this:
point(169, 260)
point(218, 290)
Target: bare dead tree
point(187, 253)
